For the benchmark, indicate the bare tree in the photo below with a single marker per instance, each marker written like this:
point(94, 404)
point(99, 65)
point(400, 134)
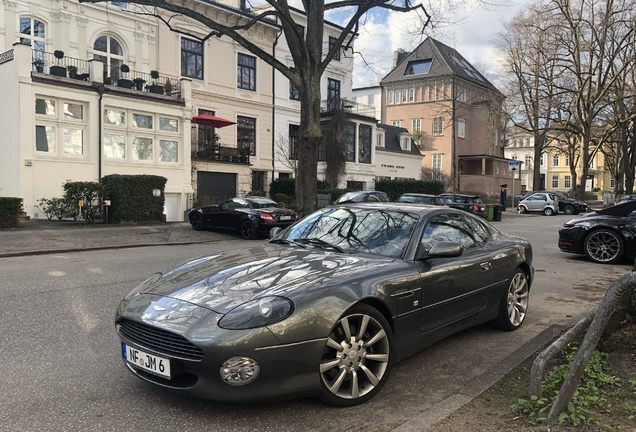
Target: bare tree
point(286, 152)
point(309, 59)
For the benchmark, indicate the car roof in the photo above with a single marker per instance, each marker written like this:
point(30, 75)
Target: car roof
point(420, 195)
point(404, 207)
point(460, 195)
point(256, 198)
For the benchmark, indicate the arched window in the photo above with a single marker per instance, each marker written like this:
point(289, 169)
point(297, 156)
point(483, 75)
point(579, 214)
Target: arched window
point(32, 32)
point(380, 140)
point(109, 51)
point(411, 95)
point(397, 96)
point(404, 96)
point(390, 97)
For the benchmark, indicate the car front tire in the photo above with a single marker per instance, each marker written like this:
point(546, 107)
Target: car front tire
point(523, 209)
point(604, 246)
point(357, 359)
point(514, 303)
point(568, 209)
point(196, 220)
point(248, 230)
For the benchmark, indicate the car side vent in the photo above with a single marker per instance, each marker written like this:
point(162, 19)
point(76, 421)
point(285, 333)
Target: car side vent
point(160, 340)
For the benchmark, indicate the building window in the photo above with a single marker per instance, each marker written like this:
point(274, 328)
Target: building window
point(418, 67)
point(390, 98)
point(514, 157)
point(416, 125)
point(349, 135)
point(294, 137)
point(542, 162)
point(191, 58)
point(526, 142)
point(567, 182)
point(497, 169)
point(411, 95)
point(555, 182)
point(142, 149)
point(567, 161)
point(397, 96)
point(115, 117)
point(142, 121)
point(168, 124)
point(396, 123)
point(380, 140)
point(333, 89)
point(461, 128)
point(528, 161)
point(114, 146)
point(364, 145)
point(109, 51)
point(461, 94)
point(246, 134)
point(555, 160)
point(293, 92)
point(54, 125)
point(404, 96)
point(168, 151)
point(438, 126)
point(406, 143)
point(612, 183)
point(437, 167)
point(371, 99)
point(246, 72)
point(322, 149)
point(332, 43)
point(32, 32)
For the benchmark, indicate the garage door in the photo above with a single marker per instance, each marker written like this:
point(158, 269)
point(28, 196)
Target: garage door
point(214, 184)
point(171, 208)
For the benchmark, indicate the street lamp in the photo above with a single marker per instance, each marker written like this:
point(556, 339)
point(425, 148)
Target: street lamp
point(156, 192)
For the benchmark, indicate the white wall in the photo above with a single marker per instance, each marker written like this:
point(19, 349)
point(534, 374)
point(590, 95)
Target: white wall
point(362, 96)
point(10, 138)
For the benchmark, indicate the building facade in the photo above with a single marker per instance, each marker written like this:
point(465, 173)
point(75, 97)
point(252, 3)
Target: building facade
point(371, 96)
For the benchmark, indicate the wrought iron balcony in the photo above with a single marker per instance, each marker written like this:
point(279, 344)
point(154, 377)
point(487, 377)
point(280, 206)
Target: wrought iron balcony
point(349, 106)
point(215, 152)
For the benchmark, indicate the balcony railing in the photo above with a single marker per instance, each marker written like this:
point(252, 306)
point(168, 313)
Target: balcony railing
point(66, 67)
point(141, 81)
point(349, 106)
point(215, 152)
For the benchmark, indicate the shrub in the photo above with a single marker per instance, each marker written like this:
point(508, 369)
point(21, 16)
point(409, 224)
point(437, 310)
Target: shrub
point(124, 68)
point(167, 87)
point(55, 207)
point(59, 54)
point(10, 210)
point(395, 188)
point(203, 200)
point(286, 200)
point(154, 74)
point(323, 186)
point(92, 193)
point(131, 197)
point(285, 186)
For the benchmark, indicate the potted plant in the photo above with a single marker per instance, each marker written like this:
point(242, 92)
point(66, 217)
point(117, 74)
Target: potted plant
point(39, 65)
point(154, 87)
point(124, 82)
point(167, 88)
point(72, 71)
point(243, 156)
point(58, 70)
point(139, 83)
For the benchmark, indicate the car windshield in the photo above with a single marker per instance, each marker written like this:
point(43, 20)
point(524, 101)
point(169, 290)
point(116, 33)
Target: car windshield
point(439, 201)
point(355, 197)
point(378, 232)
point(262, 203)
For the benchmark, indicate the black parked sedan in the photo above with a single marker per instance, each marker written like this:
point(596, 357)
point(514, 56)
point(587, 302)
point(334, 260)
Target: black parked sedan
point(252, 216)
point(470, 203)
point(326, 307)
point(605, 236)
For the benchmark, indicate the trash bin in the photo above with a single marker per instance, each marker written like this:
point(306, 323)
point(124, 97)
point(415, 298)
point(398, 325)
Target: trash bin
point(490, 212)
point(496, 217)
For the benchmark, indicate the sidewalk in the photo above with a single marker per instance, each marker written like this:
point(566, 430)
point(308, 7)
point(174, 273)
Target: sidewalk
point(38, 236)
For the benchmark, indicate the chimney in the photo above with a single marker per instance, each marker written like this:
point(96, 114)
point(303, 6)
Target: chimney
point(396, 57)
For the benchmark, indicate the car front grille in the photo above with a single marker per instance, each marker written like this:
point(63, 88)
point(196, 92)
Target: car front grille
point(159, 340)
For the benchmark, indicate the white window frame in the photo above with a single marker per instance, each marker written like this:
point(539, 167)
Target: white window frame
point(62, 123)
point(528, 160)
point(390, 98)
point(416, 125)
point(555, 160)
point(566, 161)
point(461, 94)
point(567, 182)
point(436, 166)
point(461, 128)
point(396, 123)
point(398, 96)
point(555, 178)
point(404, 95)
point(412, 95)
point(380, 140)
point(438, 126)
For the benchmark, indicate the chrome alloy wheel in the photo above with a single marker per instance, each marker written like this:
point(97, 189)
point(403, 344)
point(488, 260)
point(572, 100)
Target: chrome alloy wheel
point(603, 246)
point(517, 299)
point(356, 357)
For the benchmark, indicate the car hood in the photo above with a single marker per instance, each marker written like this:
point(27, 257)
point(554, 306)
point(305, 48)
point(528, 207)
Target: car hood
point(223, 281)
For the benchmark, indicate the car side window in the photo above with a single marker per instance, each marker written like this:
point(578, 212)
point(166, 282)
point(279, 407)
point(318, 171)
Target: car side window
point(234, 204)
point(448, 228)
point(481, 233)
point(424, 200)
point(384, 197)
point(406, 199)
point(373, 198)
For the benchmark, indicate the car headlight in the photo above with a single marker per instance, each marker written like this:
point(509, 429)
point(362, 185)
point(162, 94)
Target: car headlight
point(256, 313)
point(144, 285)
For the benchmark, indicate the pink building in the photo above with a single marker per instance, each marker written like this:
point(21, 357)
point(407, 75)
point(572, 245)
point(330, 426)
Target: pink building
point(457, 112)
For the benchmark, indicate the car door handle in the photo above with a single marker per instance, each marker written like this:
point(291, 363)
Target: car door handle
point(485, 266)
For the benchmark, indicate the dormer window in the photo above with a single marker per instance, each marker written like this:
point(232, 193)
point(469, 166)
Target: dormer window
point(418, 67)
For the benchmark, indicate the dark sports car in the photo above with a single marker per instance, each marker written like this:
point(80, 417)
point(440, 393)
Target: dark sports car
point(605, 236)
point(252, 216)
point(326, 307)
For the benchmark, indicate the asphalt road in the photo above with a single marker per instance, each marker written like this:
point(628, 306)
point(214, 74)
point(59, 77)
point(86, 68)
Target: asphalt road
point(61, 367)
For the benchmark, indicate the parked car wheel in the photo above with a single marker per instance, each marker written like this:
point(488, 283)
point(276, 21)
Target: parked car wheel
point(196, 220)
point(248, 230)
point(514, 303)
point(548, 211)
point(604, 246)
point(523, 209)
point(568, 209)
point(357, 359)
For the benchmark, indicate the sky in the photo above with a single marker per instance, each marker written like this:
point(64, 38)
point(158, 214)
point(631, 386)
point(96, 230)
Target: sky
point(471, 30)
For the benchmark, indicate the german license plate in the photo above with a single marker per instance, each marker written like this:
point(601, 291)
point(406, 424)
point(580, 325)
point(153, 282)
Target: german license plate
point(151, 363)
point(285, 218)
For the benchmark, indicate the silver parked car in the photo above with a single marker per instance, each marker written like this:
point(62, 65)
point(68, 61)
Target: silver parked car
point(546, 203)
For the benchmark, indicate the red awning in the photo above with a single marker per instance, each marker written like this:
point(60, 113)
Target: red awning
point(209, 120)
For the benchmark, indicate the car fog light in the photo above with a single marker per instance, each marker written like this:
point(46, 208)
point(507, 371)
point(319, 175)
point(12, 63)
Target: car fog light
point(238, 371)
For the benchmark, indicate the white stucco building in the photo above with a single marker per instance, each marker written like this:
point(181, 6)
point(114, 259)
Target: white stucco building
point(371, 96)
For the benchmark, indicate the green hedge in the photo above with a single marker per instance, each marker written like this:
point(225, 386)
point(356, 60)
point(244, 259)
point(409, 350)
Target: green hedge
point(131, 197)
point(92, 193)
point(285, 186)
point(395, 188)
point(10, 210)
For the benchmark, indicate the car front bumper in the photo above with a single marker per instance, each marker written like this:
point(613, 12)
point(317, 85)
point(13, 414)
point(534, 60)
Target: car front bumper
point(286, 371)
point(571, 239)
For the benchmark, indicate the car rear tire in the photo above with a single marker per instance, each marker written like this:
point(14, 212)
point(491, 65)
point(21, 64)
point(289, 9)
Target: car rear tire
point(514, 303)
point(196, 220)
point(248, 230)
point(523, 209)
point(604, 246)
point(548, 211)
point(357, 359)
point(568, 209)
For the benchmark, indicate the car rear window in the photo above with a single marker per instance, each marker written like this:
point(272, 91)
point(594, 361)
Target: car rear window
point(263, 203)
point(406, 199)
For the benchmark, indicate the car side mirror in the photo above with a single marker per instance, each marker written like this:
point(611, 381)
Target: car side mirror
point(274, 232)
point(443, 249)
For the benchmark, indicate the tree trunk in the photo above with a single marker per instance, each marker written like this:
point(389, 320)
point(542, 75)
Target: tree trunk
point(584, 167)
point(310, 137)
point(629, 161)
point(536, 168)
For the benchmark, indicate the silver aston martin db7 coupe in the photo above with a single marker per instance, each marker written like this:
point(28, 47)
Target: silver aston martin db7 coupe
point(326, 307)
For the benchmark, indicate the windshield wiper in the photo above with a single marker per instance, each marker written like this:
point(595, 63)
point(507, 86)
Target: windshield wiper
point(288, 242)
point(317, 241)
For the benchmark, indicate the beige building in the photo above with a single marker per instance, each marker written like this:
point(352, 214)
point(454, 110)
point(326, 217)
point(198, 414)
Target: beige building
point(435, 93)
